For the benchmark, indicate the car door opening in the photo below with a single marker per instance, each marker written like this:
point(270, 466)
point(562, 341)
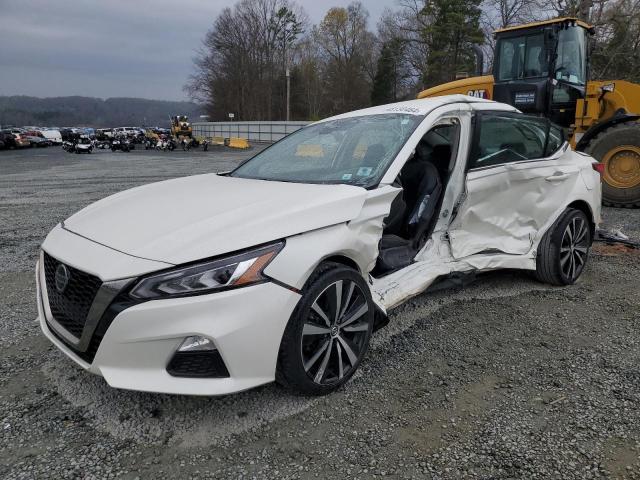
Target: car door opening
point(413, 213)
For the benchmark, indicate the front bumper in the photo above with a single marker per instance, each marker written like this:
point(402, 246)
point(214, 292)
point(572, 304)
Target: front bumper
point(246, 325)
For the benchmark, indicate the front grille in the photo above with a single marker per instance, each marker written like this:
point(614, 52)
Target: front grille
point(120, 303)
point(71, 307)
point(203, 364)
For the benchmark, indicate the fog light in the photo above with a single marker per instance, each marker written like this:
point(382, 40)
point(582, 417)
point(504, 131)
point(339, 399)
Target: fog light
point(197, 357)
point(196, 343)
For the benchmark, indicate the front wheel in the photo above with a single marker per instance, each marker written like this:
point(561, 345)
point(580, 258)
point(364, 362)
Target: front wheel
point(328, 333)
point(564, 249)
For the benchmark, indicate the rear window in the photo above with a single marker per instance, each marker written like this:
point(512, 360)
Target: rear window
point(555, 139)
point(505, 137)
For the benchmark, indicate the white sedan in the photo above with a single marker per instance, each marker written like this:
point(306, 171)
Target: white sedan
point(283, 268)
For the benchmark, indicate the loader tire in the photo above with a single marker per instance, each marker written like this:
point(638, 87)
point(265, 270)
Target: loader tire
point(618, 147)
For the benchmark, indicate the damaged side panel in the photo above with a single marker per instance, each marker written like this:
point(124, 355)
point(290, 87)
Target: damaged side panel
point(356, 240)
point(507, 206)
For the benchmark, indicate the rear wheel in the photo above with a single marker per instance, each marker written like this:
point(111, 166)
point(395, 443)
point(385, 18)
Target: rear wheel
point(564, 249)
point(328, 333)
point(618, 148)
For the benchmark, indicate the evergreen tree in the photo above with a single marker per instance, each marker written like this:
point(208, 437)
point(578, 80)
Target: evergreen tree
point(387, 79)
point(452, 26)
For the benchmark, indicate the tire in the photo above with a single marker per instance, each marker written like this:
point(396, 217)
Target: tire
point(608, 147)
point(321, 350)
point(564, 249)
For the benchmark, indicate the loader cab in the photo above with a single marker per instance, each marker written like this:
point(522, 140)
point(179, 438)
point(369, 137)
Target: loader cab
point(542, 68)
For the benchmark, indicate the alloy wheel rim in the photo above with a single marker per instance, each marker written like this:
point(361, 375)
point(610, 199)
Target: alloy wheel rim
point(573, 248)
point(334, 332)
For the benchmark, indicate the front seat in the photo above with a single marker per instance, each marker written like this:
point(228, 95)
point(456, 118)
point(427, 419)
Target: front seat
point(423, 187)
point(429, 191)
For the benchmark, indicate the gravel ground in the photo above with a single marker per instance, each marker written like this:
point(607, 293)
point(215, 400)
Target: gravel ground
point(507, 378)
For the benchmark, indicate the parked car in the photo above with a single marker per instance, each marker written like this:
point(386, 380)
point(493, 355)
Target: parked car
point(54, 136)
point(6, 139)
point(83, 145)
point(37, 141)
point(15, 139)
point(104, 134)
point(67, 134)
point(129, 132)
point(282, 269)
point(36, 138)
point(120, 143)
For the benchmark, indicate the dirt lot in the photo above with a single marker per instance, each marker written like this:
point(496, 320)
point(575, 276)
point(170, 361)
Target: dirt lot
point(507, 378)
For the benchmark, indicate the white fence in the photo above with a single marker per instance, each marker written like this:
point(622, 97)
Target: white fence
point(268, 132)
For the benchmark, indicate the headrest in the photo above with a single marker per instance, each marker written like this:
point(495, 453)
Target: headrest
point(375, 153)
point(441, 152)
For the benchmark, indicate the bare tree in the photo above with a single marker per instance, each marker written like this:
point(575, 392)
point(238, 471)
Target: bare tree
point(617, 40)
point(240, 67)
point(346, 45)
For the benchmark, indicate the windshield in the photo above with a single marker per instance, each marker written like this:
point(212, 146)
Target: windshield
point(522, 57)
point(355, 151)
point(570, 64)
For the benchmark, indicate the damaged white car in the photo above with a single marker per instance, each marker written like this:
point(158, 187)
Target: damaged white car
point(282, 269)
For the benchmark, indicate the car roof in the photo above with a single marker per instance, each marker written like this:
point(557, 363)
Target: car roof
point(423, 106)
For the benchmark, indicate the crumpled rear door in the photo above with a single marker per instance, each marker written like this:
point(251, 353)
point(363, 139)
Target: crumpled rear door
point(506, 206)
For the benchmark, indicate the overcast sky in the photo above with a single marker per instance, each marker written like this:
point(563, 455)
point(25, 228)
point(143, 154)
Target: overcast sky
point(113, 48)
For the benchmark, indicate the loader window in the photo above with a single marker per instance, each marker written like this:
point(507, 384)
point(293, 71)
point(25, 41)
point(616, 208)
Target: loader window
point(570, 65)
point(522, 57)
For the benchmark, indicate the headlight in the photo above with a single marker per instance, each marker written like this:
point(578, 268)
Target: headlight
point(234, 271)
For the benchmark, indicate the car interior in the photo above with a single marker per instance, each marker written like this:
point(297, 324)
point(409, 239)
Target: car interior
point(414, 211)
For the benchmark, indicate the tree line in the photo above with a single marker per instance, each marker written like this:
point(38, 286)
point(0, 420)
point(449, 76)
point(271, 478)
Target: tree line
point(342, 63)
point(91, 112)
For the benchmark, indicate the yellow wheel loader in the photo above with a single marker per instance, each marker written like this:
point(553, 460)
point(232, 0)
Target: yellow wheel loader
point(180, 127)
point(542, 68)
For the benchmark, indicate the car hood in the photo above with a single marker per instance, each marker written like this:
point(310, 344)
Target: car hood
point(192, 218)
